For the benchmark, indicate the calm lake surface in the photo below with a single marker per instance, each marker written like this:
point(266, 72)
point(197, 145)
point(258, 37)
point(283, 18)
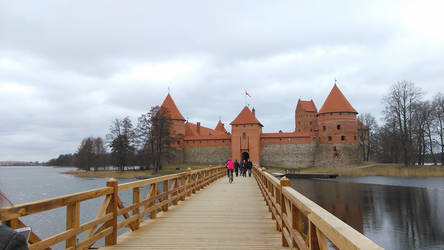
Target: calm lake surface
point(396, 213)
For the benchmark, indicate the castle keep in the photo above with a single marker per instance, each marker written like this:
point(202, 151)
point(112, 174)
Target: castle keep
point(325, 137)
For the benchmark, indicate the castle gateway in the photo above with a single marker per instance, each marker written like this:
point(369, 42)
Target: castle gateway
point(326, 137)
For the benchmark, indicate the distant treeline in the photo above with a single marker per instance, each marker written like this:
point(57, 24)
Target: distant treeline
point(148, 145)
point(21, 163)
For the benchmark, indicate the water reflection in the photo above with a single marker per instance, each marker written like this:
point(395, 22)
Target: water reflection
point(395, 217)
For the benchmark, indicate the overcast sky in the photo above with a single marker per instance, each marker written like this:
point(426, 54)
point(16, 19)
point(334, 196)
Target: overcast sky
point(68, 68)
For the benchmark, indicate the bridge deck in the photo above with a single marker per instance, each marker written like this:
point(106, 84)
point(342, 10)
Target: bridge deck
point(221, 216)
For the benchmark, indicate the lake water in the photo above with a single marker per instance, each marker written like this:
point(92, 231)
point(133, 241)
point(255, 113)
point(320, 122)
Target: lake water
point(26, 184)
point(396, 213)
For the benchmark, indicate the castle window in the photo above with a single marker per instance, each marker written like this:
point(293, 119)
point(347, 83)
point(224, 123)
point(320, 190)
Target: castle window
point(244, 136)
point(310, 123)
point(324, 128)
point(178, 142)
point(343, 138)
point(311, 130)
point(329, 138)
point(355, 138)
point(338, 127)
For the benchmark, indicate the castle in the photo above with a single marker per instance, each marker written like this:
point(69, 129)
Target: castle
point(325, 137)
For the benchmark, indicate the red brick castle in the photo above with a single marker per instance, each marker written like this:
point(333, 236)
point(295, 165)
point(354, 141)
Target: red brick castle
point(324, 137)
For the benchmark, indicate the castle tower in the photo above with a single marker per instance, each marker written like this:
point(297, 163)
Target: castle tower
point(305, 117)
point(337, 120)
point(246, 136)
point(178, 121)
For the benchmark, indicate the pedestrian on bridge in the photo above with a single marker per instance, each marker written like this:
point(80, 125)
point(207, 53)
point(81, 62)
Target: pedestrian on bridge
point(230, 169)
point(249, 167)
point(236, 167)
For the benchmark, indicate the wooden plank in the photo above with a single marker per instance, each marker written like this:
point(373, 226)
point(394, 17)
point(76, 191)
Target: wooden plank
point(112, 209)
point(67, 234)
point(221, 216)
point(72, 221)
point(100, 214)
point(14, 212)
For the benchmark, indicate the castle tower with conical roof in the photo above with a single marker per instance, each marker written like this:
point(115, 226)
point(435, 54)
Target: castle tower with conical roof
point(337, 120)
point(246, 133)
point(178, 121)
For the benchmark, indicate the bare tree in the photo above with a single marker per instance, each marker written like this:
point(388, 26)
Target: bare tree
point(121, 141)
point(399, 106)
point(367, 126)
point(85, 154)
point(438, 103)
point(161, 138)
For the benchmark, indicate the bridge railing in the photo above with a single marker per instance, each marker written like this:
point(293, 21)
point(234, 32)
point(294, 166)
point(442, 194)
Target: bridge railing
point(303, 223)
point(163, 191)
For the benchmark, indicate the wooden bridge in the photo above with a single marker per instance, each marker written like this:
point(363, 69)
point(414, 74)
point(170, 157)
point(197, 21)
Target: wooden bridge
point(196, 210)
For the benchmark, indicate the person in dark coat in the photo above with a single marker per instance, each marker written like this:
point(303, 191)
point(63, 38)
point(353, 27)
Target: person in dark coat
point(236, 167)
point(11, 240)
point(249, 167)
point(244, 168)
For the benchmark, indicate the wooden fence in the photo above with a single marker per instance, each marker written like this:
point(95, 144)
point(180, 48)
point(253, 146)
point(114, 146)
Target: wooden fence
point(303, 223)
point(105, 224)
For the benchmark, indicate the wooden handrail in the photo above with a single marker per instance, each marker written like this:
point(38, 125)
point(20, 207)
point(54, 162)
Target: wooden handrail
point(303, 223)
point(105, 224)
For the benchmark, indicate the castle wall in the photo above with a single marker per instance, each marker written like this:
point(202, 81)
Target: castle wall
point(338, 128)
point(207, 154)
point(288, 155)
point(325, 155)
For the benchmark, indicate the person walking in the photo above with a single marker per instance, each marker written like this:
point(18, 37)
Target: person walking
point(230, 169)
point(249, 167)
point(244, 168)
point(236, 168)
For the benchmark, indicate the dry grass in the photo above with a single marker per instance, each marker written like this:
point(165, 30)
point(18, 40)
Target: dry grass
point(373, 169)
point(130, 174)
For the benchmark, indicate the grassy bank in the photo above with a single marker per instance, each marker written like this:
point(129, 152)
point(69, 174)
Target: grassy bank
point(373, 169)
point(130, 174)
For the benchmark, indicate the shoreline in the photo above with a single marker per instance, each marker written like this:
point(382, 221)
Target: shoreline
point(365, 169)
point(371, 169)
point(137, 174)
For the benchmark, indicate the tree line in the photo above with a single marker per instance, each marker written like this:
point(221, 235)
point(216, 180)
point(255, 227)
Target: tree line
point(146, 145)
point(412, 128)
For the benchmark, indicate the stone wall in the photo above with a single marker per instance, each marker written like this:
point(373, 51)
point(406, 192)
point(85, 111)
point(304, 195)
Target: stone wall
point(288, 155)
point(345, 155)
point(212, 154)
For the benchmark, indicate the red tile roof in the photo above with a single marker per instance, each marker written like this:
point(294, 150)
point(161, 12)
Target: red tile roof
point(174, 112)
point(285, 135)
point(220, 127)
point(308, 106)
point(336, 102)
point(191, 130)
point(245, 117)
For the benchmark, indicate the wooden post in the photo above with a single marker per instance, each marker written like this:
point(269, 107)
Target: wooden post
point(154, 192)
point(166, 188)
point(176, 193)
point(72, 221)
point(184, 188)
point(112, 208)
point(284, 183)
point(189, 188)
point(136, 199)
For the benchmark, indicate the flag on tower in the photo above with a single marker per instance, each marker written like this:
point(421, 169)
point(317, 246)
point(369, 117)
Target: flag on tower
point(246, 93)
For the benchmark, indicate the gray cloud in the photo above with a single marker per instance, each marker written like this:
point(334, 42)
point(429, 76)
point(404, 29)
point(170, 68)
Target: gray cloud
point(67, 70)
